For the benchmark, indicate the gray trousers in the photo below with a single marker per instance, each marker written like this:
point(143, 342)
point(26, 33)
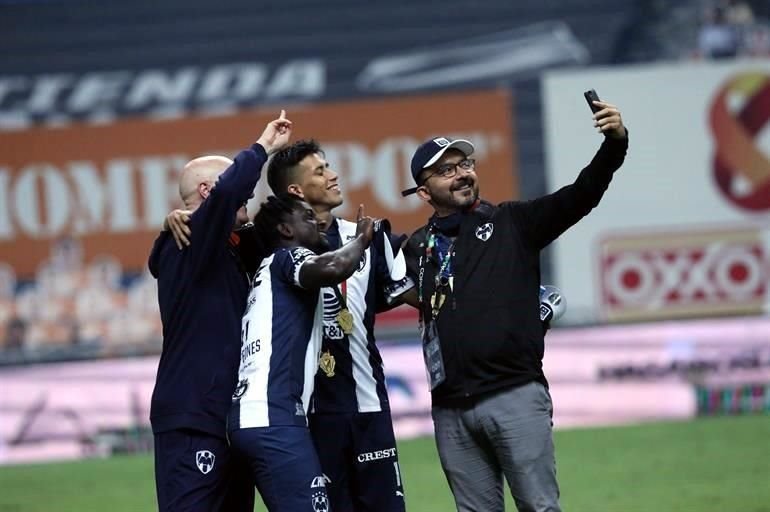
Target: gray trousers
point(507, 433)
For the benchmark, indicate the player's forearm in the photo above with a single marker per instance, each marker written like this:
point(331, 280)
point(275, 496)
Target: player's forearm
point(340, 264)
point(333, 267)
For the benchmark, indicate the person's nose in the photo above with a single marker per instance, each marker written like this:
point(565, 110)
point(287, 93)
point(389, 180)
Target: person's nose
point(461, 173)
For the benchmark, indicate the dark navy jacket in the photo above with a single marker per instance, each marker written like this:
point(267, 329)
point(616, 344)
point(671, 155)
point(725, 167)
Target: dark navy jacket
point(202, 293)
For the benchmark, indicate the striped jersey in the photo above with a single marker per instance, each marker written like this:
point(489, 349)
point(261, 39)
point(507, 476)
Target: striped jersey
point(280, 341)
point(350, 374)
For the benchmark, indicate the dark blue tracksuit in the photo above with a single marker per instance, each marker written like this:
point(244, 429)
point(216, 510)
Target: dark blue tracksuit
point(202, 294)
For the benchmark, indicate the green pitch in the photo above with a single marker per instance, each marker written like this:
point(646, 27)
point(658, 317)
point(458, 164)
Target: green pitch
point(705, 465)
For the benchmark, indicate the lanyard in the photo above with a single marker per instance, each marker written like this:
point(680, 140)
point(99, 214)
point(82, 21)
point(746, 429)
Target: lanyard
point(445, 271)
point(344, 316)
point(341, 295)
point(443, 278)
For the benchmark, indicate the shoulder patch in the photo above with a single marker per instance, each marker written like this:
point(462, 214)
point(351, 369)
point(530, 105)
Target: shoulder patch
point(300, 254)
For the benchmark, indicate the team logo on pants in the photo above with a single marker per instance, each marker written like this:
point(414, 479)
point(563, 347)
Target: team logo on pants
point(204, 459)
point(320, 501)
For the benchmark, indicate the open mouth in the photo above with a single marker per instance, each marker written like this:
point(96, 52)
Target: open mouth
point(334, 187)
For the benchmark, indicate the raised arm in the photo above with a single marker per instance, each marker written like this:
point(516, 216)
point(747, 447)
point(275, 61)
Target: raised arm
point(542, 220)
point(275, 136)
point(211, 223)
point(239, 180)
point(213, 220)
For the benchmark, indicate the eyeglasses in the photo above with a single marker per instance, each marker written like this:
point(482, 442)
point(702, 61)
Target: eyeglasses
point(449, 170)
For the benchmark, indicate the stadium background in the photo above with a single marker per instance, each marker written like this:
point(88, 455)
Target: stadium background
point(667, 281)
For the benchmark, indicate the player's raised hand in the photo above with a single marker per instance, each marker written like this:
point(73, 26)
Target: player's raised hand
point(176, 222)
point(364, 225)
point(608, 120)
point(276, 135)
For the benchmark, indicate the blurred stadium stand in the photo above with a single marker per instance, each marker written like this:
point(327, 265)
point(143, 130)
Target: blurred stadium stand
point(660, 30)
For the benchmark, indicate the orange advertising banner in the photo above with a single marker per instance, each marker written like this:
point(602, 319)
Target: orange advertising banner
point(110, 186)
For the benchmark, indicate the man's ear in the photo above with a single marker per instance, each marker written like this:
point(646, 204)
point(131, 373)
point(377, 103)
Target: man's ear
point(285, 230)
point(204, 189)
point(423, 193)
point(296, 190)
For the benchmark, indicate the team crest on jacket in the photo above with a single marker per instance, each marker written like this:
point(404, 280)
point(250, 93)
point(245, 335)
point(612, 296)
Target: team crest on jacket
point(484, 232)
point(204, 459)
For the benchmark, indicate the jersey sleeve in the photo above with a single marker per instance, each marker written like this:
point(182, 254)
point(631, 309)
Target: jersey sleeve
point(288, 263)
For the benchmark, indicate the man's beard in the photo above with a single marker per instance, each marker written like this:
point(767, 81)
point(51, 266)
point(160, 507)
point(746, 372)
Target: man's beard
point(459, 202)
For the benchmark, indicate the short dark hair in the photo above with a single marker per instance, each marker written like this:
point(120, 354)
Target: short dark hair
point(280, 169)
point(273, 211)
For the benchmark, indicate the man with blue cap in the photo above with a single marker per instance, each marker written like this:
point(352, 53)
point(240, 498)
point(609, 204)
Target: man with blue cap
point(477, 269)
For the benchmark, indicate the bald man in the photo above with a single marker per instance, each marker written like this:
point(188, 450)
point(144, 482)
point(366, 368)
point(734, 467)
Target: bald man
point(202, 293)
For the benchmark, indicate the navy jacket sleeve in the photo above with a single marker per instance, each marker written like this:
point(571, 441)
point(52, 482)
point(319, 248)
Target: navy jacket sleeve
point(212, 223)
point(154, 261)
point(542, 220)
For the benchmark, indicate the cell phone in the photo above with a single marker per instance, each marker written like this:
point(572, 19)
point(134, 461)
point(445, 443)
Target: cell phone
point(590, 97)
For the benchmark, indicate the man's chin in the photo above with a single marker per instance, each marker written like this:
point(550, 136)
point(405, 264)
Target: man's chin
point(323, 244)
point(465, 198)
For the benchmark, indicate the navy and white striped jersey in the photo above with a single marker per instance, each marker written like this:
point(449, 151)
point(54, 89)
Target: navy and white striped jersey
point(280, 341)
point(350, 376)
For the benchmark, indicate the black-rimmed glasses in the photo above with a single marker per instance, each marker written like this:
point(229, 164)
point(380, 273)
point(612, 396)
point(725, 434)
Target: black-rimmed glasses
point(449, 170)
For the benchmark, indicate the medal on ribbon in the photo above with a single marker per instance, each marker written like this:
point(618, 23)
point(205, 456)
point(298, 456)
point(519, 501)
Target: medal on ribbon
point(344, 317)
point(345, 320)
point(327, 363)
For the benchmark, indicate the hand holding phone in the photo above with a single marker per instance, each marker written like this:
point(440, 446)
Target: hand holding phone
point(590, 97)
point(609, 123)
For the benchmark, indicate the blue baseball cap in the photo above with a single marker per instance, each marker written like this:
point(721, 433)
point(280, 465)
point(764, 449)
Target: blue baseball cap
point(428, 154)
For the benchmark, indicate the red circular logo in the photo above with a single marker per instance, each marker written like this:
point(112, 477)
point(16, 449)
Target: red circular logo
point(739, 112)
